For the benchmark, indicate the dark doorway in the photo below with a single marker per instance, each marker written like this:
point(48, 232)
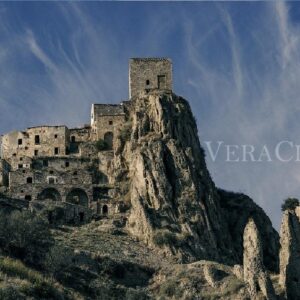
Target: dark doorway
point(73, 139)
point(37, 139)
point(81, 216)
point(105, 210)
point(108, 138)
point(161, 81)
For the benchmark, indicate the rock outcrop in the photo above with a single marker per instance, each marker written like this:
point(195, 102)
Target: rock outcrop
point(290, 254)
point(254, 272)
point(174, 202)
point(238, 208)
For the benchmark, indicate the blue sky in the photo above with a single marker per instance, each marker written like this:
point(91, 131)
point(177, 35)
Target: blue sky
point(237, 63)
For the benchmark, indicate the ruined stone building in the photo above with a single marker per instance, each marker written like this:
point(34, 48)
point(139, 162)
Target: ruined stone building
point(73, 165)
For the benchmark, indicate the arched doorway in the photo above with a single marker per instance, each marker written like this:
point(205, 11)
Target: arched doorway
point(49, 194)
point(105, 210)
point(109, 138)
point(78, 197)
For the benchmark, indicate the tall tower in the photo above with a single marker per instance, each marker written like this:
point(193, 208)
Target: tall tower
point(149, 74)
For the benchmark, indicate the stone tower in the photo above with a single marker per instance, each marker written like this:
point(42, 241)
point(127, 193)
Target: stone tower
point(149, 74)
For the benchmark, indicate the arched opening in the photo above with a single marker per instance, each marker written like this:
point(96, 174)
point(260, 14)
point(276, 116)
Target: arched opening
point(49, 194)
point(108, 138)
point(105, 210)
point(73, 139)
point(78, 197)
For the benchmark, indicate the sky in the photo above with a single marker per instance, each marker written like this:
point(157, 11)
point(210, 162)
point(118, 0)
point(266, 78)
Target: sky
point(237, 63)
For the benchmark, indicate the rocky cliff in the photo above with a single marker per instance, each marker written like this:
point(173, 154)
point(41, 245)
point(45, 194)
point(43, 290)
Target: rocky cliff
point(174, 202)
point(290, 253)
point(238, 208)
point(255, 275)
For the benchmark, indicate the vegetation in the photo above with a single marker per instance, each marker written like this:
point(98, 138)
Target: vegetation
point(164, 237)
point(58, 259)
point(125, 132)
point(170, 289)
point(26, 236)
point(102, 145)
point(25, 282)
point(290, 203)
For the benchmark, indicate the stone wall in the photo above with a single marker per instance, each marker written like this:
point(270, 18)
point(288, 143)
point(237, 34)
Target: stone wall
point(144, 74)
point(62, 164)
point(36, 141)
point(106, 121)
point(79, 135)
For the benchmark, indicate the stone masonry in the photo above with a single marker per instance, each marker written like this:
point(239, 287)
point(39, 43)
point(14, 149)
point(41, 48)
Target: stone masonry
point(74, 165)
point(149, 74)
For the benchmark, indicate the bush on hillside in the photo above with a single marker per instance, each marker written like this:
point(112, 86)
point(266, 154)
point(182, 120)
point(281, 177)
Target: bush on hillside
point(164, 237)
point(125, 132)
point(101, 145)
point(58, 259)
point(290, 203)
point(26, 236)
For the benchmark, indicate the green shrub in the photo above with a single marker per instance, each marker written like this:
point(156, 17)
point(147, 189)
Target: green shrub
point(34, 283)
point(164, 237)
point(26, 236)
point(10, 292)
point(290, 203)
point(15, 268)
point(170, 289)
point(58, 259)
point(101, 145)
point(125, 132)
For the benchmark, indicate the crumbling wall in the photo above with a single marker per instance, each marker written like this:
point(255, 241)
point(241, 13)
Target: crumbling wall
point(80, 135)
point(106, 120)
point(36, 141)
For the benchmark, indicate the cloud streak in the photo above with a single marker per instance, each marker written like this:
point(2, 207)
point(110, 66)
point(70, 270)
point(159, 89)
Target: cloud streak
point(237, 64)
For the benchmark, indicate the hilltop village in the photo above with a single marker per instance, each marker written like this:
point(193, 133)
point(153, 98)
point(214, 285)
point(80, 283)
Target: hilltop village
point(150, 222)
point(73, 166)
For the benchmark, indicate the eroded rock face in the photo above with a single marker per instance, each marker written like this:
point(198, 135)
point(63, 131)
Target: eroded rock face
point(254, 272)
point(290, 254)
point(238, 208)
point(171, 190)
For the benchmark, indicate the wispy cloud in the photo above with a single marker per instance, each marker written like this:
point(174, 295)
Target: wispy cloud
point(254, 99)
point(38, 52)
point(237, 64)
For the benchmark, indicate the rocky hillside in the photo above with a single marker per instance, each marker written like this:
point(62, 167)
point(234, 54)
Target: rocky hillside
point(104, 262)
point(174, 202)
point(178, 237)
point(238, 208)
point(173, 199)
